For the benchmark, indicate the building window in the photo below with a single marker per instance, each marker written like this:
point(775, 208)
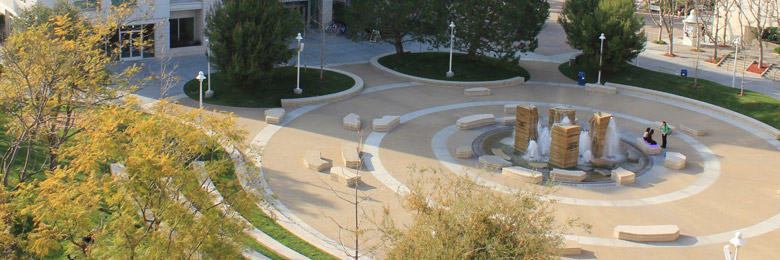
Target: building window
point(120, 2)
point(87, 4)
point(134, 42)
point(183, 32)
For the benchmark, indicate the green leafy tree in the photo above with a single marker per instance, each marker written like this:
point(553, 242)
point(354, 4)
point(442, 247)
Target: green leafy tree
point(249, 37)
point(457, 218)
point(585, 20)
point(398, 21)
point(495, 27)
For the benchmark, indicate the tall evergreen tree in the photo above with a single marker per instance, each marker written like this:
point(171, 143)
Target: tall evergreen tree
point(584, 20)
point(248, 37)
point(398, 21)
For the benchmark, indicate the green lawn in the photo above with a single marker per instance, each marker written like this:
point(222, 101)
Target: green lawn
point(434, 65)
point(281, 86)
point(228, 186)
point(756, 105)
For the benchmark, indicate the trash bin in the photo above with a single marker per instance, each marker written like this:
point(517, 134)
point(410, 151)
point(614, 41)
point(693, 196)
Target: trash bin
point(683, 73)
point(581, 78)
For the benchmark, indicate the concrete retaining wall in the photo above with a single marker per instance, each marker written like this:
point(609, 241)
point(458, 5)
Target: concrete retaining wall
point(488, 84)
point(351, 92)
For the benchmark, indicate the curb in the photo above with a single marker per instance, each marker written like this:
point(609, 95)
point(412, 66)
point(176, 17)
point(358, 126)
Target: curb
point(488, 84)
point(351, 92)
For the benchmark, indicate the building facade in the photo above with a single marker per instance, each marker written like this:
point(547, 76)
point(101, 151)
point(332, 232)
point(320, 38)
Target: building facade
point(167, 27)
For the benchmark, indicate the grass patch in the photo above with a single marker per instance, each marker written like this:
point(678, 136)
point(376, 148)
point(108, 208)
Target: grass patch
point(231, 190)
point(281, 86)
point(756, 105)
point(434, 65)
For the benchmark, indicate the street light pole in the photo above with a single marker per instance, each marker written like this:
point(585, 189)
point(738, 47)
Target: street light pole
point(736, 54)
point(601, 55)
point(738, 242)
point(200, 79)
point(209, 92)
point(298, 89)
point(452, 41)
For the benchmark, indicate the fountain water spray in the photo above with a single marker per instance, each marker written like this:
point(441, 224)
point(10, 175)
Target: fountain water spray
point(544, 140)
point(612, 143)
point(587, 156)
point(532, 153)
point(584, 142)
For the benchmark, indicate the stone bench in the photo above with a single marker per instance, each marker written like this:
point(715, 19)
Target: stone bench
point(675, 160)
point(386, 123)
point(567, 175)
point(649, 149)
point(464, 152)
point(570, 247)
point(494, 162)
point(693, 129)
point(603, 163)
point(351, 155)
point(274, 115)
point(507, 120)
point(523, 174)
point(480, 91)
point(622, 176)
point(654, 233)
point(600, 88)
point(500, 153)
point(475, 121)
point(345, 175)
point(313, 160)
point(351, 122)
point(657, 126)
point(510, 109)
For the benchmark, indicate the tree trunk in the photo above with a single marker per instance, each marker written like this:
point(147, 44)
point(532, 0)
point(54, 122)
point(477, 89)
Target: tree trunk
point(399, 45)
point(660, 26)
point(715, 34)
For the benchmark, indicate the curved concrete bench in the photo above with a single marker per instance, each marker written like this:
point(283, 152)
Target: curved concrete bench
point(570, 247)
point(510, 109)
point(622, 176)
point(655, 233)
point(386, 123)
point(274, 115)
point(489, 84)
point(603, 163)
point(347, 176)
point(675, 160)
point(568, 175)
point(351, 122)
point(480, 91)
point(351, 155)
point(523, 174)
point(475, 121)
point(649, 149)
point(494, 162)
point(507, 120)
point(694, 130)
point(313, 160)
point(351, 92)
point(464, 152)
point(600, 88)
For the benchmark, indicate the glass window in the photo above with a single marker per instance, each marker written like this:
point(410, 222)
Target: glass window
point(183, 32)
point(86, 4)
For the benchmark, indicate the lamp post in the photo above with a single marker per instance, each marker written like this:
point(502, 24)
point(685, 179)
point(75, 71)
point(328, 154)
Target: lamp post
point(209, 92)
point(200, 78)
point(452, 41)
point(298, 89)
point(601, 54)
point(738, 242)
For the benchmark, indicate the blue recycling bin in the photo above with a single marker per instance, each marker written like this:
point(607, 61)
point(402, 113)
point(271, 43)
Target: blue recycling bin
point(684, 73)
point(581, 78)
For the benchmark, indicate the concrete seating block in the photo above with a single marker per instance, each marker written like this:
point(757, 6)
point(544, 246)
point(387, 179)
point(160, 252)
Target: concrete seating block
point(657, 127)
point(494, 162)
point(480, 91)
point(653, 233)
point(675, 160)
point(313, 160)
point(351, 122)
point(351, 155)
point(603, 163)
point(510, 109)
point(570, 247)
point(649, 149)
point(386, 123)
point(464, 152)
point(600, 88)
point(274, 116)
point(622, 176)
point(507, 120)
point(500, 153)
point(475, 121)
point(567, 175)
point(694, 130)
point(537, 165)
point(345, 175)
point(523, 174)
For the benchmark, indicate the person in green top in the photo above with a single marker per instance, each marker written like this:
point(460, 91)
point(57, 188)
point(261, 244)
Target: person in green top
point(664, 131)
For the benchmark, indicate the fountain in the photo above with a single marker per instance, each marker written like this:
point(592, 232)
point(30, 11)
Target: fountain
point(532, 153)
point(612, 142)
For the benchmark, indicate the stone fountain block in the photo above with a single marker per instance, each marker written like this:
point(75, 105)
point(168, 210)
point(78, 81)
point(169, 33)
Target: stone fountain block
point(598, 132)
point(556, 114)
point(537, 165)
point(526, 119)
point(603, 163)
point(622, 176)
point(494, 162)
point(475, 121)
point(507, 120)
point(564, 146)
point(649, 149)
point(603, 172)
point(464, 152)
point(523, 174)
point(510, 109)
point(568, 175)
point(675, 160)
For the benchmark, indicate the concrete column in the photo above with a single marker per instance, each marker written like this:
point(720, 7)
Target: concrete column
point(326, 12)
